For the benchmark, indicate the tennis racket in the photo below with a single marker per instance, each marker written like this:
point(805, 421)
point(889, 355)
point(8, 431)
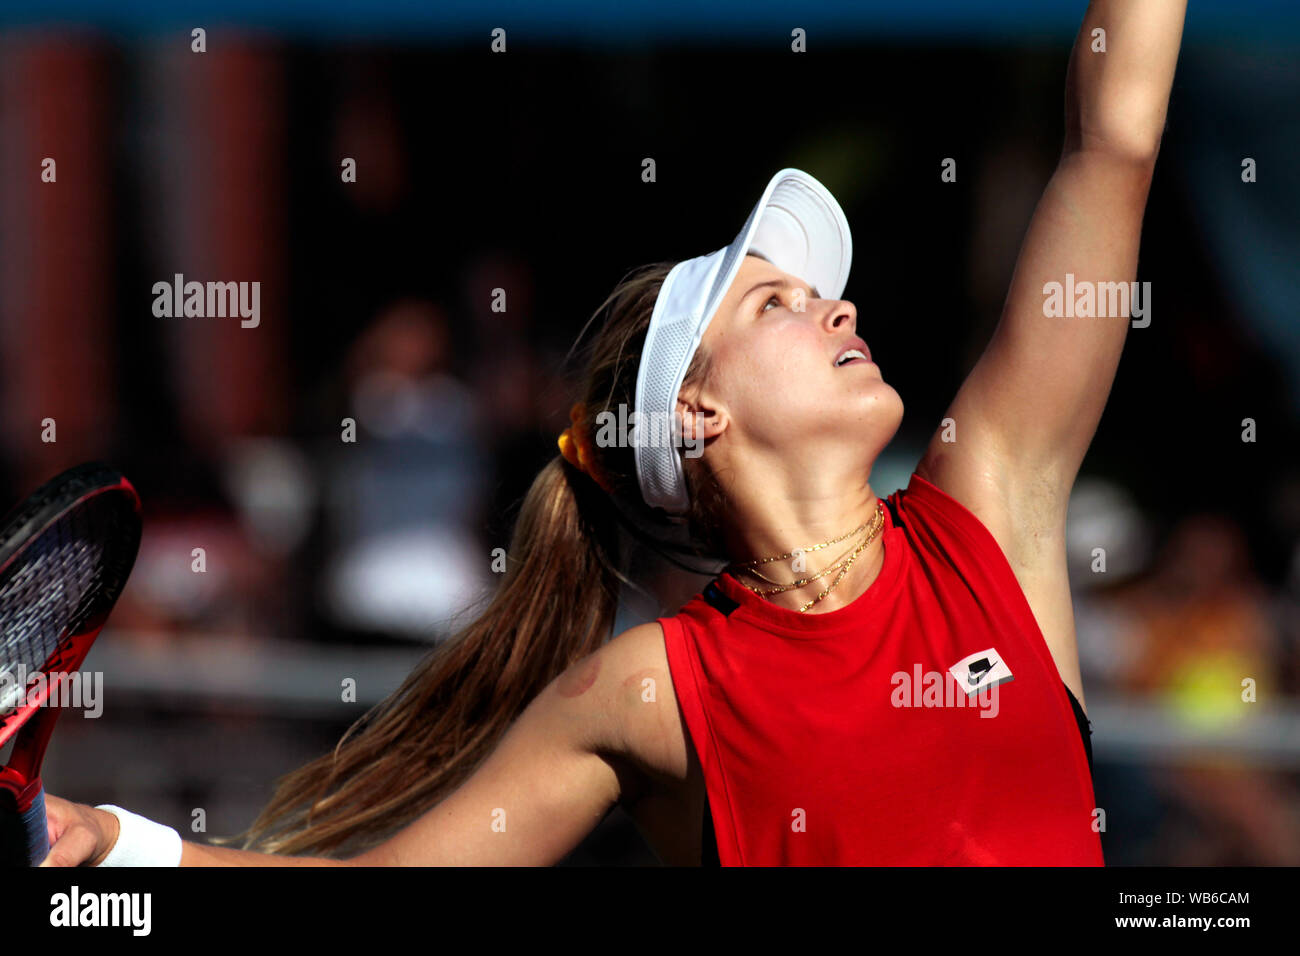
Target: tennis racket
point(65, 555)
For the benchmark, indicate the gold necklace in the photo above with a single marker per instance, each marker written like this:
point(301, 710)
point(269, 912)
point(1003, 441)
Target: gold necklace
point(802, 581)
point(814, 547)
point(877, 524)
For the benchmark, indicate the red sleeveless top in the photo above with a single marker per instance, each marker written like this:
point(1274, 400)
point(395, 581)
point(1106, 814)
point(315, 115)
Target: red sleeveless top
point(923, 724)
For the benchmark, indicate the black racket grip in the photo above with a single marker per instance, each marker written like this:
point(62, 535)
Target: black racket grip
point(24, 836)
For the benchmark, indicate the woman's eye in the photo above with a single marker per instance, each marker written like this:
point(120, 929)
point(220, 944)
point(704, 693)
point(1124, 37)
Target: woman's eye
point(774, 298)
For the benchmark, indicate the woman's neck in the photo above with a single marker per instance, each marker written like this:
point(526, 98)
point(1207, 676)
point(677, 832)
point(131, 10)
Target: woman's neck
point(855, 582)
point(783, 531)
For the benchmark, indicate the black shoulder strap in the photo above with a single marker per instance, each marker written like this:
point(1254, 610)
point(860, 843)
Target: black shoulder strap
point(1085, 725)
point(893, 512)
point(719, 601)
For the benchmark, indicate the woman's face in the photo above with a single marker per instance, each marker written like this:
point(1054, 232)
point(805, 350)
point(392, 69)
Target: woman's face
point(773, 348)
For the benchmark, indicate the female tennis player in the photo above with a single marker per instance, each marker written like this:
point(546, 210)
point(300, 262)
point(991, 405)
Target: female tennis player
point(866, 681)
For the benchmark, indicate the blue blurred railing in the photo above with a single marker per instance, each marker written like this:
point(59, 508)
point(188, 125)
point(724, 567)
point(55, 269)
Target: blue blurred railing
point(830, 22)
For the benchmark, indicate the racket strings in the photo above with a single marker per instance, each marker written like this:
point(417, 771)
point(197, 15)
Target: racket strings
point(53, 587)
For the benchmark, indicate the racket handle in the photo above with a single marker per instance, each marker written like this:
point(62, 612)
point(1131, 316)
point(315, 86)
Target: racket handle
point(36, 830)
point(24, 836)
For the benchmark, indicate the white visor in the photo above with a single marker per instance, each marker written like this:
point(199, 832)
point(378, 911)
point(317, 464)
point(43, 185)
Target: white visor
point(797, 226)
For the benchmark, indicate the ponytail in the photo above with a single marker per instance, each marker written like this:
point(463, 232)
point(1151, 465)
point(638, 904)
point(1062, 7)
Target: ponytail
point(555, 605)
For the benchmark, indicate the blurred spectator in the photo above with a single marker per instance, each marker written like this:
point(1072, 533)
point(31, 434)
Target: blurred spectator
point(1187, 635)
point(404, 498)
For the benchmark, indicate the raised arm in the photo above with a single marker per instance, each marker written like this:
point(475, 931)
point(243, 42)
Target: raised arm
point(1028, 410)
point(554, 775)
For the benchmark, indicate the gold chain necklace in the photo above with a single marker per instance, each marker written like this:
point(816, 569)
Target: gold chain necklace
point(877, 524)
point(814, 547)
point(802, 581)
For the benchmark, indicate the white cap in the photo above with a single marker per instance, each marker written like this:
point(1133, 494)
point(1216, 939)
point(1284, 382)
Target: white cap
point(797, 226)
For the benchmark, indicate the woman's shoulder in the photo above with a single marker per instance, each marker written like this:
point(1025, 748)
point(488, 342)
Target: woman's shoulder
point(641, 703)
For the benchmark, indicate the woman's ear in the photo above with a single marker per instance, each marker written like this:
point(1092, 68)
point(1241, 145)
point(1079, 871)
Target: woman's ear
point(700, 421)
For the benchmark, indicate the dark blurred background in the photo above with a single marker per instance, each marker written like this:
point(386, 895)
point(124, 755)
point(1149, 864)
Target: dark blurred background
point(327, 559)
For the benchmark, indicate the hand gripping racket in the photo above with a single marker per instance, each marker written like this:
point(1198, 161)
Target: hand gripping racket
point(65, 555)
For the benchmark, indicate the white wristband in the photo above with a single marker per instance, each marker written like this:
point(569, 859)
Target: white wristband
point(141, 842)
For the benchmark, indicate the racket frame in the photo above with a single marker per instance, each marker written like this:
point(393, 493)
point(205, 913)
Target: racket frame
point(32, 723)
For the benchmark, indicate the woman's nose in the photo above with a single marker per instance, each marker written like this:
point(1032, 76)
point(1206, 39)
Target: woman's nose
point(842, 313)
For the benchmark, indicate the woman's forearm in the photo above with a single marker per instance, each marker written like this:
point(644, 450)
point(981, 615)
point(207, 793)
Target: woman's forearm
point(197, 854)
point(1117, 87)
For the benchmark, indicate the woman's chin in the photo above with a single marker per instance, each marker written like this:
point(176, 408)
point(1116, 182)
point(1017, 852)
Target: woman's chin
point(879, 400)
point(882, 415)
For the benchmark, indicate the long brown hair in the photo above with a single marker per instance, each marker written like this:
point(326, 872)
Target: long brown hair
point(555, 604)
